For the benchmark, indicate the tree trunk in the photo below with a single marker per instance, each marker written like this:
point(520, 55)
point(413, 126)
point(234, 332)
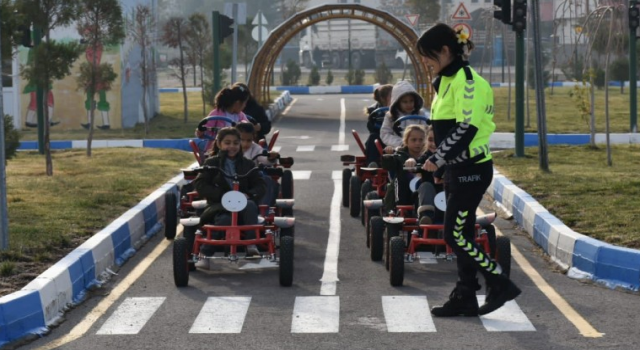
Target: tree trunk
point(606, 92)
point(183, 78)
point(47, 131)
point(204, 102)
point(90, 96)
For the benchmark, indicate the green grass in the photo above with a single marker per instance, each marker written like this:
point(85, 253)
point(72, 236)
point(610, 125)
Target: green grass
point(562, 113)
point(582, 191)
point(51, 215)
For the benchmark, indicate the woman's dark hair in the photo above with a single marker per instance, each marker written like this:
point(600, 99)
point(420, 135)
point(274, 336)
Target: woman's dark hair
point(222, 133)
point(245, 128)
point(228, 96)
point(440, 35)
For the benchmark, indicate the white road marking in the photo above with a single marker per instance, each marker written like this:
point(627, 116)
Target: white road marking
point(340, 148)
point(305, 148)
point(427, 258)
point(407, 314)
point(222, 315)
point(343, 115)
point(276, 148)
point(131, 316)
point(303, 137)
point(286, 110)
point(336, 175)
point(508, 318)
point(330, 276)
point(301, 174)
point(316, 315)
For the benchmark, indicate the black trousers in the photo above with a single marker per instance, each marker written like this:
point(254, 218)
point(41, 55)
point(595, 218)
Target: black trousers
point(465, 187)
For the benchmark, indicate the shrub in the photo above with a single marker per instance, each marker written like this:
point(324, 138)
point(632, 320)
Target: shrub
point(383, 74)
point(329, 77)
point(291, 74)
point(314, 77)
point(359, 78)
point(11, 138)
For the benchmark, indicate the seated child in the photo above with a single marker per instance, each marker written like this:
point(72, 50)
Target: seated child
point(229, 103)
point(253, 151)
point(381, 95)
point(404, 101)
point(415, 149)
point(212, 185)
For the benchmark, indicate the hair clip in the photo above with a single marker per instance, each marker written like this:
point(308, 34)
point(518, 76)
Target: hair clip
point(462, 37)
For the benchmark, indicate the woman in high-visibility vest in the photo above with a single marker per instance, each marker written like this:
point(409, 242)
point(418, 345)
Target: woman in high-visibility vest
point(462, 119)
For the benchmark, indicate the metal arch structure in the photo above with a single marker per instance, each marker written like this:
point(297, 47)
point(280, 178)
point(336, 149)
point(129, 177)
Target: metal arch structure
point(265, 58)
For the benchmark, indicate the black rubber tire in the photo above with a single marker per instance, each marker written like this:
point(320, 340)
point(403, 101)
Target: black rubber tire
point(491, 238)
point(181, 262)
point(170, 215)
point(369, 214)
point(346, 177)
point(287, 232)
point(377, 238)
point(396, 261)
point(390, 232)
point(287, 212)
point(286, 261)
point(354, 196)
point(286, 184)
point(364, 190)
point(503, 246)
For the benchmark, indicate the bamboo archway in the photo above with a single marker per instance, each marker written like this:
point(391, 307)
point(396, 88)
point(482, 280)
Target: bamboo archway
point(265, 58)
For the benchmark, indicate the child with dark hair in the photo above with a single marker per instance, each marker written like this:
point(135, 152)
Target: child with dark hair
point(253, 109)
point(253, 152)
point(462, 120)
point(212, 185)
point(405, 100)
point(229, 103)
point(382, 96)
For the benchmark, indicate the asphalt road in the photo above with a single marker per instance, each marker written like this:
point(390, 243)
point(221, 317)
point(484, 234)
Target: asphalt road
point(229, 308)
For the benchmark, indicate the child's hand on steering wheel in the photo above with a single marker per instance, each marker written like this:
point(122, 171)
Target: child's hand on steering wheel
point(409, 163)
point(388, 150)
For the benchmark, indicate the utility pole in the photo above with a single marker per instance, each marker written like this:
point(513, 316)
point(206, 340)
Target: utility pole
point(543, 155)
point(215, 23)
point(234, 55)
point(37, 39)
point(519, 26)
point(634, 21)
point(4, 212)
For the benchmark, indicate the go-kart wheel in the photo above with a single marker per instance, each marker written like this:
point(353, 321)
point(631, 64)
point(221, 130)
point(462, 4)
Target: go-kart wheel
point(364, 190)
point(377, 238)
point(286, 183)
point(369, 213)
point(346, 177)
point(180, 262)
point(390, 232)
point(491, 239)
point(396, 261)
point(354, 196)
point(503, 247)
point(286, 261)
point(287, 211)
point(170, 215)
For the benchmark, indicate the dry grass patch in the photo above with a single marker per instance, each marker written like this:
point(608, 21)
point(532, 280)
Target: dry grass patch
point(582, 191)
point(50, 216)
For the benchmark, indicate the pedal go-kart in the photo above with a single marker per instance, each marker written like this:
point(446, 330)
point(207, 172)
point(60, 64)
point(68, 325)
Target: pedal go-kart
point(279, 172)
point(274, 235)
point(397, 238)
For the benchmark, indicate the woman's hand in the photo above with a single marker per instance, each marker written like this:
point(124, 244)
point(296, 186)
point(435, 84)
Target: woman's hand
point(273, 155)
point(388, 150)
point(437, 180)
point(199, 133)
point(429, 166)
point(409, 163)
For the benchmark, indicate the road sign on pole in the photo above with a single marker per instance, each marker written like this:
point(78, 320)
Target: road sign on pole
point(461, 13)
point(413, 19)
point(259, 19)
point(465, 28)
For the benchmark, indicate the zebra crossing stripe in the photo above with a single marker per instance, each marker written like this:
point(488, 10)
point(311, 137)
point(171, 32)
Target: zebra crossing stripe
point(407, 314)
point(508, 318)
point(340, 148)
point(221, 315)
point(301, 174)
point(131, 316)
point(276, 148)
point(316, 315)
point(305, 148)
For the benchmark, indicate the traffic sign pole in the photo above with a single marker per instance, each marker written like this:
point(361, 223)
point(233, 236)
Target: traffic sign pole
point(215, 23)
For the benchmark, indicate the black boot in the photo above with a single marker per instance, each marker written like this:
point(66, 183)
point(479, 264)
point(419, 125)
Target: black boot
point(462, 302)
point(500, 289)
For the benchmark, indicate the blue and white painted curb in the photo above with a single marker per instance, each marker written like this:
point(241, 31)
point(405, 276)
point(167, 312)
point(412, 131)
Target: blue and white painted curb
point(583, 256)
point(499, 140)
point(42, 302)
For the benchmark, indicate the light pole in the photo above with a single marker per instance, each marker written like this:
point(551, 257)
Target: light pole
point(4, 215)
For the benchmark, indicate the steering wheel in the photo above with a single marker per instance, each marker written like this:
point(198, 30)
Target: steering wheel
point(396, 124)
point(202, 127)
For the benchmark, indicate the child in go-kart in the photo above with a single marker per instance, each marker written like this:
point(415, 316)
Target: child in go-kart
point(405, 100)
point(229, 103)
point(382, 96)
point(253, 152)
point(212, 185)
point(418, 145)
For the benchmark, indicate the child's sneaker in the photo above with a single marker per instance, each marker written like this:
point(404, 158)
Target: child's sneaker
point(252, 250)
